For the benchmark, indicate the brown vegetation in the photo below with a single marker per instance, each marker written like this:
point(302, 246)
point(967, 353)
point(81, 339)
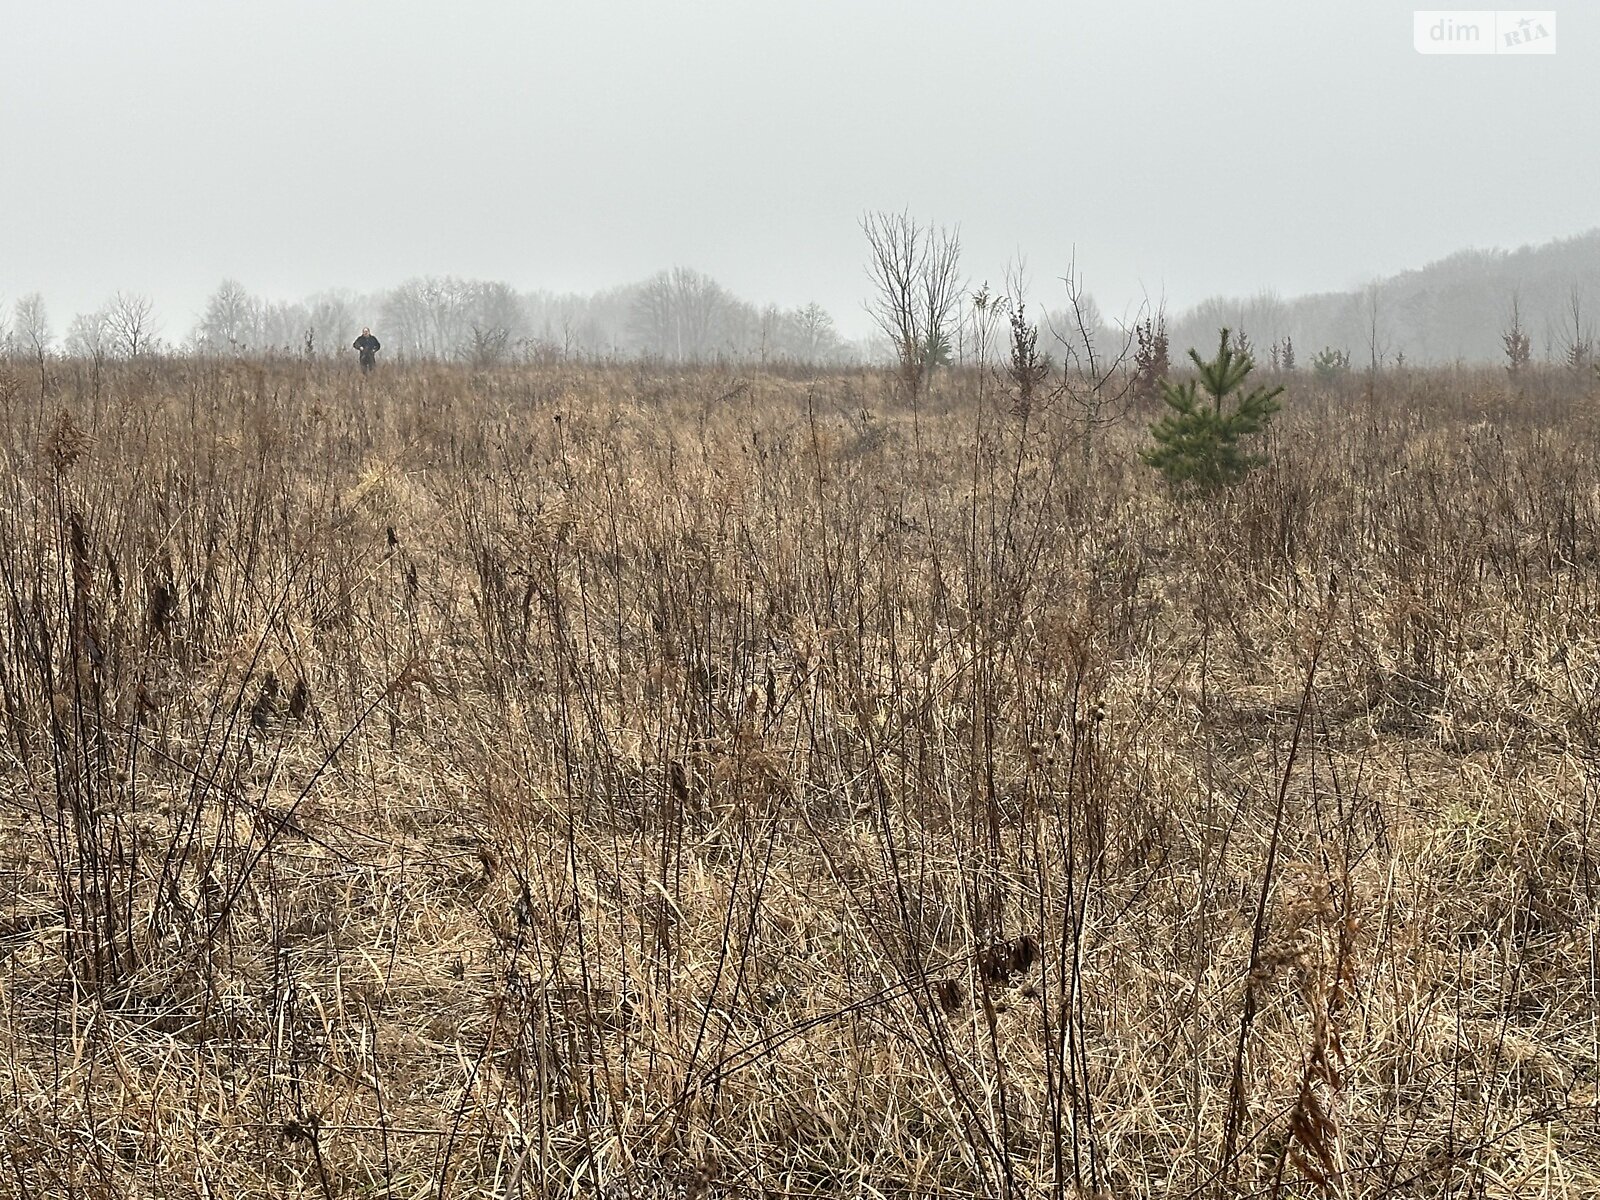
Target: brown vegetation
point(607, 782)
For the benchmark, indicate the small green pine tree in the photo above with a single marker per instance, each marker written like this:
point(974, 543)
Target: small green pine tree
point(1197, 443)
point(1328, 364)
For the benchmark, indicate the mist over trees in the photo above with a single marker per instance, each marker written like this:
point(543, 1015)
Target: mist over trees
point(30, 326)
point(680, 316)
point(1458, 309)
point(677, 316)
point(1454, 310)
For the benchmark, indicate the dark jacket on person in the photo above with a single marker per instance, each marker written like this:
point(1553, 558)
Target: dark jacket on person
point(367, 344)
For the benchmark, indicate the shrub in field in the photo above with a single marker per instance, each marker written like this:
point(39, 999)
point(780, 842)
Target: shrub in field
point(1198, 443)
point(1150, 365)
point(1328, 364)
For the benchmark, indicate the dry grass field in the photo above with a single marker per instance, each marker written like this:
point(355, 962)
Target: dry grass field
point(614, 782)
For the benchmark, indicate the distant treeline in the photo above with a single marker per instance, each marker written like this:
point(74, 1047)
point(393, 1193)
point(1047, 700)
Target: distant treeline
point(1458, 309)
point(679, 315)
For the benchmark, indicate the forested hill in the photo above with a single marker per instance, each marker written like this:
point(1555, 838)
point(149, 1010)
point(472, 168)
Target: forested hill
point(1456, 309)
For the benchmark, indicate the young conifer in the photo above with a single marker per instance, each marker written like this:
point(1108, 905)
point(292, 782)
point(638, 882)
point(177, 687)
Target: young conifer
point(1198, 443)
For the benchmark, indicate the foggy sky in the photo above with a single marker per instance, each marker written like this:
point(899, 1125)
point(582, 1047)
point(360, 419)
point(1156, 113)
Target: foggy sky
point(1185, 148)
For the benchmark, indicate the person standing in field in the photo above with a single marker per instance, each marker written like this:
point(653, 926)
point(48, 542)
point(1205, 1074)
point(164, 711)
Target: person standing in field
point(369, 347)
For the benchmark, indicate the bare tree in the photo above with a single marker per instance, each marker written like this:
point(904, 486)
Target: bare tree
point(443, 301)
point(1377, 330)
point(496, 320)
point(794, 335)
point(941, 291)
point(32, 332)
point(488, 345)
point(1093, 377)
point(32, 324)
point(1267, 314)
point(771, 333)
point(443, 317)
point(916, 279)
point(422, 317)
point(89, 336)
point(682, 315)
point(282, 327)
point(130, 319)
point(329, 320)
point(816, 339)
point(700, 306)
point(405, 317)
point(232, 321)
point(651, 320)
point(1577, 335)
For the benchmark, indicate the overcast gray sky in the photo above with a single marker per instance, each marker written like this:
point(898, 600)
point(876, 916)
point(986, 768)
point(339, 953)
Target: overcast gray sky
point(1190, 148)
